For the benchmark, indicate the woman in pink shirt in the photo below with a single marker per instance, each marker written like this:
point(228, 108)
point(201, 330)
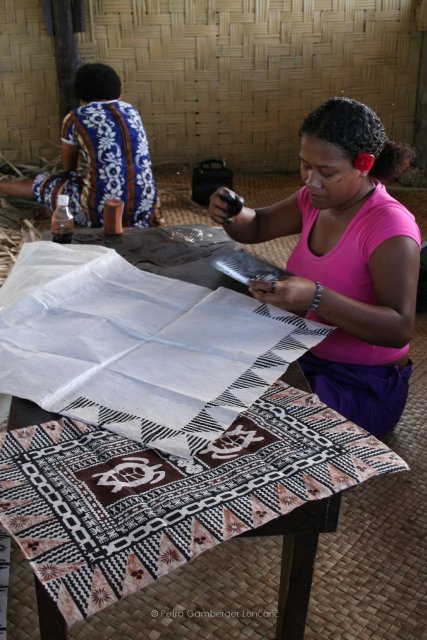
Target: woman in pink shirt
point(356, 263)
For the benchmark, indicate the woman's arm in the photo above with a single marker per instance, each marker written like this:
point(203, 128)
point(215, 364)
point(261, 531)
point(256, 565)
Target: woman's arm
point(69, 156)
point(257, 225)
point(394, 267)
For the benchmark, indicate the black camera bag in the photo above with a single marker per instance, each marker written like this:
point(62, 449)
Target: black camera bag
point(207, 177)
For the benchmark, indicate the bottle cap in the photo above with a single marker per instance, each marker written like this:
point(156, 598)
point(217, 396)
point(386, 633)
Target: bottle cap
point(63, 201)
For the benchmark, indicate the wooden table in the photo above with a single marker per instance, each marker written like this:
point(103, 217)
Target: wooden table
point(300, 529)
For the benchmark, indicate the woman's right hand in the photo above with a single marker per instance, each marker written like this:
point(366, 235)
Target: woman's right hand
point(218, 208)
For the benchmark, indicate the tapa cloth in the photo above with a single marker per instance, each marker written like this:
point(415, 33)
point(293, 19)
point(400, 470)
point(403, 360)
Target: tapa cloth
point(99, 516)
point(4, 580)
point(164, 362)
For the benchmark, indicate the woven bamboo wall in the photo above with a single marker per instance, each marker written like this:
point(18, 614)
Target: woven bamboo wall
point(216, 78)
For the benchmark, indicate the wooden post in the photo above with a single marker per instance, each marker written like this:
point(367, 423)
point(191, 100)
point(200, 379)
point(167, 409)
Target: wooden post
point(421, 114)
point(421, 118)
point(67, 55)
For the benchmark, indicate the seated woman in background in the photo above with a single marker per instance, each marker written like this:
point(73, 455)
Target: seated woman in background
point(104, 153)
point(355, 265)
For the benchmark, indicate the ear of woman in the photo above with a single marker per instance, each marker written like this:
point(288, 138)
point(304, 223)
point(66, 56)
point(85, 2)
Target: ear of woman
point(364, 162)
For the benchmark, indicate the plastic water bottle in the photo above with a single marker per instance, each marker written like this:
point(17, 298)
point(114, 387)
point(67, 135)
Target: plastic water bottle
point(62, 223)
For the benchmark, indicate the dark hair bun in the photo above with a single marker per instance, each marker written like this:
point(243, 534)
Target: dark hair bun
point(356, 128)
point(97, 81)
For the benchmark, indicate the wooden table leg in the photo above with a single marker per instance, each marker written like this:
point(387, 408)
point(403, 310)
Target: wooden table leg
point(52, 624)
point(298, 555)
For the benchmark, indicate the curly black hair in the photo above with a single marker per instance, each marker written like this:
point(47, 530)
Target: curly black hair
point(355, 128)
point(96, 81)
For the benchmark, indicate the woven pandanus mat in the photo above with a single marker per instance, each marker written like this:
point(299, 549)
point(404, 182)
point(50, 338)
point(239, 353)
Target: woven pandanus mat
point(370, 576)
point(233, 78)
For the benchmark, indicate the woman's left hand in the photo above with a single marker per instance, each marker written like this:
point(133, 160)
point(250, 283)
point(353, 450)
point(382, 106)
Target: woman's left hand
point(291, 293)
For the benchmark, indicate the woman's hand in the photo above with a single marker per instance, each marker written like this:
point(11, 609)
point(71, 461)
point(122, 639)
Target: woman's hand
point(218, 207)
point(250, 225)
point(291, 293)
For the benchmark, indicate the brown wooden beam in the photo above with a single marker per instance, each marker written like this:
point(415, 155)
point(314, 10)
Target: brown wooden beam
point(67, 55)
point(421, 114)
point(420, 141)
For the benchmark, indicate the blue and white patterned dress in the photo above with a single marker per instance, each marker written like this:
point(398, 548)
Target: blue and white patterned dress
point(114, 162)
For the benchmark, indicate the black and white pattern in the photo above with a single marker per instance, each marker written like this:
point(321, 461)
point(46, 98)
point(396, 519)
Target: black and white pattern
point(166, 363)
point(99, 516)
point(4, 580)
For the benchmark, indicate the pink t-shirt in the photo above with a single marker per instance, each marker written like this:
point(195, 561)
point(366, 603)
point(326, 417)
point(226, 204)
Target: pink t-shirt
point(345, 268)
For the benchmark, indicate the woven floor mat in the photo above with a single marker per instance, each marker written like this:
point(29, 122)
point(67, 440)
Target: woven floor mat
point(370, 576)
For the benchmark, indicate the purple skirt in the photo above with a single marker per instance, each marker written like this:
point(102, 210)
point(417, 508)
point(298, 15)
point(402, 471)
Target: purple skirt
point(373, 397)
